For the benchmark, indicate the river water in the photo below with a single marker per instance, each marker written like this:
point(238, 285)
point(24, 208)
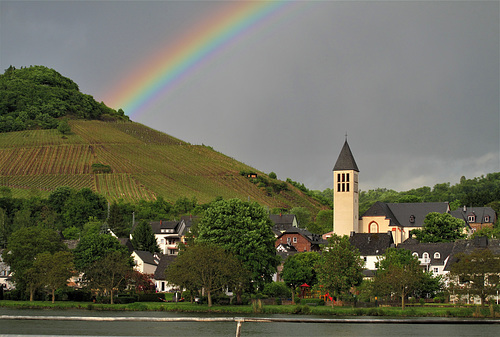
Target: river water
point(200, 329)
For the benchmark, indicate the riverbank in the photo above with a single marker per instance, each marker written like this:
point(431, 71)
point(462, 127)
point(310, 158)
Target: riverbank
point(413, 311)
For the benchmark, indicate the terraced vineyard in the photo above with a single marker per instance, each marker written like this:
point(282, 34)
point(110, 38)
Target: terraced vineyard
point(144, 164)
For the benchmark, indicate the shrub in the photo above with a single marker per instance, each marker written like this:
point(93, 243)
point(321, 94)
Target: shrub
point(301, 310)
point(152, 297)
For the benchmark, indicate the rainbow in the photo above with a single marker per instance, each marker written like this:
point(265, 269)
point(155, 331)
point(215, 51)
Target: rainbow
point(173, 63)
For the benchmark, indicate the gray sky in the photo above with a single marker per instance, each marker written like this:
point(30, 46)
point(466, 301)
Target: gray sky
point(414, 84)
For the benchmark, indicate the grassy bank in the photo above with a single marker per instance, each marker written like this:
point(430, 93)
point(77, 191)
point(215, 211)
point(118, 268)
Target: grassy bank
point(417, 311)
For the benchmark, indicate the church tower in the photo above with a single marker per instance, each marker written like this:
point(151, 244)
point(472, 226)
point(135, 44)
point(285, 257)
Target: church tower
point(345, 193)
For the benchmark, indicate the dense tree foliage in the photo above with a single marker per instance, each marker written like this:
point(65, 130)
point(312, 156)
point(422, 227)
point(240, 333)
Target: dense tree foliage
point(340, 266)
point(440, 228)
point(35, 97)
point(23, 246)
point(206, 266)
point(399, 273)
point(53, 270)
point(299, 269)
point(243, 229)
point(109, 273)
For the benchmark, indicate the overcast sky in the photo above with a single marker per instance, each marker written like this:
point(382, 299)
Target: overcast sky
point(414, 84)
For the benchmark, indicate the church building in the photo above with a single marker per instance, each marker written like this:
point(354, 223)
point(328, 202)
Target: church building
point(396, 218)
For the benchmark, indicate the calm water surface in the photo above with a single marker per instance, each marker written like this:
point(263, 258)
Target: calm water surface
point(210, 329)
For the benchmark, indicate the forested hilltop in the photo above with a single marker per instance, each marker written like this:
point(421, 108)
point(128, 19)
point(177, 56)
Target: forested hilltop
point(35, 97)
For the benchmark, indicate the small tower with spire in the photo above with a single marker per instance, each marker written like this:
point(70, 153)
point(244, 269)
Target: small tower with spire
point(345, 193)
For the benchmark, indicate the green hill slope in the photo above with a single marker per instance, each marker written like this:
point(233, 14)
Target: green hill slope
point(142, 163)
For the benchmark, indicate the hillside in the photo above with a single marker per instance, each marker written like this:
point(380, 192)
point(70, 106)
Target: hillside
point(143, 163)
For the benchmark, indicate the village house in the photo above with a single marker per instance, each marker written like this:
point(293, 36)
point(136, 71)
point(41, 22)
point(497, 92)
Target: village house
point(433, 257)
point(169, 234)
point(476, 217)
point(301, 239)
point(371, 246)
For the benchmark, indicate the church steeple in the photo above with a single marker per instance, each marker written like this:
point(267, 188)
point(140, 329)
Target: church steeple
point(345, 193)
point(345, 160)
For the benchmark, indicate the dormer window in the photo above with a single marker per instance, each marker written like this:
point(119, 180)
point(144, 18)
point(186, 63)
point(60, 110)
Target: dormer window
point(415, 254)
point(412, 218)
point(486, 218)
point(471, 218)
point(437, 255)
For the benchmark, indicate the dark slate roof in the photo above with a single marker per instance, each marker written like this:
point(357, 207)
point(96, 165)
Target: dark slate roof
point(281, 222)
point(146, 257)
point(443, 248)
point(404, 211)
point(370, 244)
point(380, 209)
point(127, 243)
point(345, 161)
point(480, 212)
point(282, 219)
point(165, 261)
point(174, 225)
point(401, 214)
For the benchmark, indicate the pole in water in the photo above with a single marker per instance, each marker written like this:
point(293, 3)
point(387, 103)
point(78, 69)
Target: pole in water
point(238, 328)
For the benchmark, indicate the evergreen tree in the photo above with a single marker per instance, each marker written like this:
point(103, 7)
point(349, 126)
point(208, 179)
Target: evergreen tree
point(143, 238)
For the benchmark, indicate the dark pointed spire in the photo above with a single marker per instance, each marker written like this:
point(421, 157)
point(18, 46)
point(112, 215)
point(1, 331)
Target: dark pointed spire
point(346, 160)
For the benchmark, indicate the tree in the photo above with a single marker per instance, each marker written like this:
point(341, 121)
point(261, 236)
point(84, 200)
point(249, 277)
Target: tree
point(244, 229)
point(143, 238)
point(63, 127)
point(303, 216)
point(94, 247)
point(116, 221)
point(295, 274)
point(109, 272)
point(205, 266)
point(299, 269)
point(398, 272)
point(22, 248)
point(440, 228)
point(323, 224)
point(478, 272)
point(340, 266)
point(54, 270)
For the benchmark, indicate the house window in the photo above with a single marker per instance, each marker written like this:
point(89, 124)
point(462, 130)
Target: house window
point(347, 177)
point(415, 254)
point(288, 240)
point(425, 256)
point(435, 270)
point(373, 227)
point(437, 255)
point(486, 218)
point(294, 240)
point(471, 218)
point(412, 219)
